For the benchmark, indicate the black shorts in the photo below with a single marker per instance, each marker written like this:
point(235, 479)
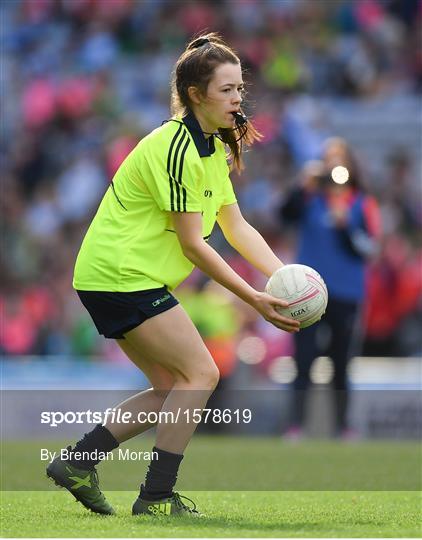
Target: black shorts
point(115, 313)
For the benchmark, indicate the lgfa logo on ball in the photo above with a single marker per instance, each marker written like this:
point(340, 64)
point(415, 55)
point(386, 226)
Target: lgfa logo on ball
point(300, 311)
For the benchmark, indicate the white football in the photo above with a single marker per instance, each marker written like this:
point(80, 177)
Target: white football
point(303, 288)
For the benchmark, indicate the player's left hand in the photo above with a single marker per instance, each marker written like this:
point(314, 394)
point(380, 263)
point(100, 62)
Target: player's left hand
point(267, 306)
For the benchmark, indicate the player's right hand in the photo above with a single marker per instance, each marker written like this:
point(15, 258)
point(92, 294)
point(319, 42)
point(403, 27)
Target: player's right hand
point(267, 306)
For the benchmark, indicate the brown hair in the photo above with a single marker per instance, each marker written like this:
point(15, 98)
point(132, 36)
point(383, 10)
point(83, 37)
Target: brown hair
point(195, 67)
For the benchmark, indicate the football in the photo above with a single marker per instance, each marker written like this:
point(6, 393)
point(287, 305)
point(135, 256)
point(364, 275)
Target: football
point(303, 288)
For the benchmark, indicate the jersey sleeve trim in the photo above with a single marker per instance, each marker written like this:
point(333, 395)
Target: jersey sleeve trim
point(179, 144)
point(117, 197)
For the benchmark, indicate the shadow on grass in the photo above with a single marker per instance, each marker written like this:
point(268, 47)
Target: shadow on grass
point(207, 524)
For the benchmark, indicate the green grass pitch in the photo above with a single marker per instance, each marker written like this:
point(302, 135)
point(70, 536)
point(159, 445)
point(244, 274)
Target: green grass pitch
point(229, 514)
point(312, 489)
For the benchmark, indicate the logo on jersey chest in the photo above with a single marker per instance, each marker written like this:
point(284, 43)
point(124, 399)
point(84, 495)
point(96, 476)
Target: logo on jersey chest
point(208, 193)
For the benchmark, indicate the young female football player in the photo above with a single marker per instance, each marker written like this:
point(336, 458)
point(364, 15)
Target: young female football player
point(150, 231)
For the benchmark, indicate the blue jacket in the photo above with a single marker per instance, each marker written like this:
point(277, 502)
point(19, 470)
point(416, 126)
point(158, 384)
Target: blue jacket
point(338, 254)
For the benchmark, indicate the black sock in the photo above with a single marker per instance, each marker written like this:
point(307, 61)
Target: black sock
point(98, 440)
point(161, 476)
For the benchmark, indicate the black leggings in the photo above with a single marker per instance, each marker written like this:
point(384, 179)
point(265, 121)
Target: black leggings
point(340, 318)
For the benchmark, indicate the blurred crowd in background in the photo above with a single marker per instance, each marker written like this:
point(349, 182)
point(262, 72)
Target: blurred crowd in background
point(84, 80)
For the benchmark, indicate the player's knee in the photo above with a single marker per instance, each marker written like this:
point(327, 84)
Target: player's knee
point(204, 377)
point(209, 376)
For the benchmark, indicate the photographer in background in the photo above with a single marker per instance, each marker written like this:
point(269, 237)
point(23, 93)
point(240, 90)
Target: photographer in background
point(339, 225)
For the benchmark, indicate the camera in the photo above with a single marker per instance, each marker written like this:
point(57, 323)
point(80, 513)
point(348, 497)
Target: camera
point(324, 178)
point(338, 175)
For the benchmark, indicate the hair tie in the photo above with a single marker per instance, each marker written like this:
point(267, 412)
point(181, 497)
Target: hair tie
point(199, 42)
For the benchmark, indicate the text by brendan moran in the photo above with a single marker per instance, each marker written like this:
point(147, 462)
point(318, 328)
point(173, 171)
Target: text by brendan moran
point(121, 455)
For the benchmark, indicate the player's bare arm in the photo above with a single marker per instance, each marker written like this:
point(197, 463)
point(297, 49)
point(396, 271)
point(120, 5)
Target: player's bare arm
point(188, 227)
point(246, 240)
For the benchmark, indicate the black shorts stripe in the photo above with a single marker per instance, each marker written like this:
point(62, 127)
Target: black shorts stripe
point(171, 181)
